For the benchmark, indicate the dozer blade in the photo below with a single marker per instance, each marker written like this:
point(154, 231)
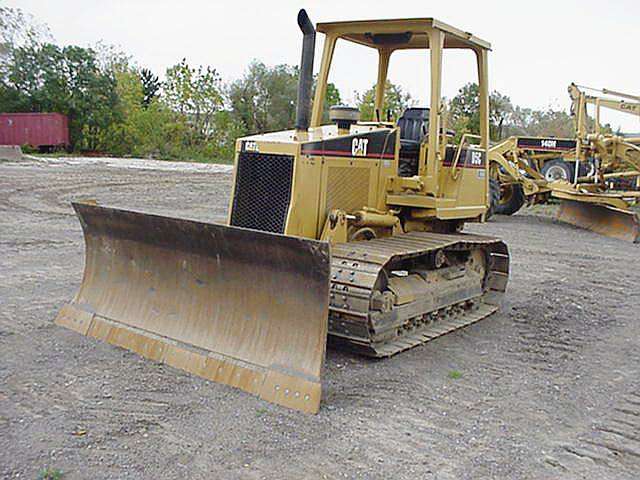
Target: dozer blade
point(240, 307)
point(605, 220)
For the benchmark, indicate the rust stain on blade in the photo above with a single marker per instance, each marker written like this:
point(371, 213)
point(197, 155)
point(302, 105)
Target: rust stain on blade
point(240, 307)
point(605, 220)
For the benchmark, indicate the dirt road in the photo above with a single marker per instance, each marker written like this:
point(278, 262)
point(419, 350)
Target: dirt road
point(549, 388)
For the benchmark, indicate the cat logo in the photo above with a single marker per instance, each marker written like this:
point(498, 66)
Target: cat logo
point(630, 106)
point(359, 147)
point(250, 146)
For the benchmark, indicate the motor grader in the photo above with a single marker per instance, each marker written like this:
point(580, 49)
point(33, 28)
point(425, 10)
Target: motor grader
point(325, 237)
point(583, 172)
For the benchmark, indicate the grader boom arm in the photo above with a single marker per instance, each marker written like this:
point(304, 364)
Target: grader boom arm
point(506, 156)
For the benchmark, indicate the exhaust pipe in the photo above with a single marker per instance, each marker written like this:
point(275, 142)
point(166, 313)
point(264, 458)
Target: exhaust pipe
point(305, 81)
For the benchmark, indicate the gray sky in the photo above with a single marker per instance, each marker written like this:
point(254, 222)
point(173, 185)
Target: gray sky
point(539, 47)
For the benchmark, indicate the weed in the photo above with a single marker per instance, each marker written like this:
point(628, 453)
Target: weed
point(261, 411)
point(50, 474)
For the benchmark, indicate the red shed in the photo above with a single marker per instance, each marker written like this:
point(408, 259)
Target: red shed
point(41, 130)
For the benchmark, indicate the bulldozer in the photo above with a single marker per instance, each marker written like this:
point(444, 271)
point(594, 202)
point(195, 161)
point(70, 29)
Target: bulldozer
point(347, 233)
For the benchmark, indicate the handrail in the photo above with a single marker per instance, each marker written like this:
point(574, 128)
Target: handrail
point(463, 140)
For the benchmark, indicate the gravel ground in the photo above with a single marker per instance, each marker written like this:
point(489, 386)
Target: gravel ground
point(548, 388)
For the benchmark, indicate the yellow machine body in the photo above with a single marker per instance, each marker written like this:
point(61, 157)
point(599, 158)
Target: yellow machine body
point(591, 202)
point(327, 176)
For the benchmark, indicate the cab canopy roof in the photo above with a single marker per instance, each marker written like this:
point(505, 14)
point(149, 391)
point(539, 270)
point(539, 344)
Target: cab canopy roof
point(401, 33)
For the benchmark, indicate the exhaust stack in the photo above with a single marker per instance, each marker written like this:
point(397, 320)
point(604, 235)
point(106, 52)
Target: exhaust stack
point(305, 82)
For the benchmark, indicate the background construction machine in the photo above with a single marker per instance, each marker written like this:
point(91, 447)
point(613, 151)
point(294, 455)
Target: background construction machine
point(350, 229)
point(585, 172)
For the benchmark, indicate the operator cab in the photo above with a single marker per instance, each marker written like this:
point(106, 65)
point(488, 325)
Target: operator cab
point(431, 170)
point(414, 126)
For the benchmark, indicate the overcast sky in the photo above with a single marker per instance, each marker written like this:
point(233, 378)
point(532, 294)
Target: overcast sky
point(539, 47)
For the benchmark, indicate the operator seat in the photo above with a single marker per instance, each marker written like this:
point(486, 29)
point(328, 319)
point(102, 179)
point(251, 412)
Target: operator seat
point(413, 126)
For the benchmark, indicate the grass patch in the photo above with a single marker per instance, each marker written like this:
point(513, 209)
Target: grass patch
point(50, 474)
point(455, 374)
point(261, 411)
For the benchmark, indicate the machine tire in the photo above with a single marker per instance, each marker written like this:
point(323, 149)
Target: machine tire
point(511, 199)
point(557, 169)
point(587, 168)
point(494, 197)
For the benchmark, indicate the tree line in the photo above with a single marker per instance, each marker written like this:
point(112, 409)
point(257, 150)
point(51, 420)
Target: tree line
point(116, 107)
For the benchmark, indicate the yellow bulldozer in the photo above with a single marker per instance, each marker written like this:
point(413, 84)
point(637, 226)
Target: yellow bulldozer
point(349, 231)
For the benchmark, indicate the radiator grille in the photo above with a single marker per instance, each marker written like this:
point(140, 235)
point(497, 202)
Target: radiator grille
point(347, 188)
point(262, 191)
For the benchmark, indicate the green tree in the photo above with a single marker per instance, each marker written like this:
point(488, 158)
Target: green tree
point(143, 126)
point(92, 96)
point(47, 78)
point(195, 97)
point(196, 94)
point(549, 122)
point(227, 130)
point(150, 86)
point(19, 29)
point(110, 58)
point(464, 111)
point(264, 98)
point(122, 137)
point(396, 100)
point(151, 130)
point(332, 97)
